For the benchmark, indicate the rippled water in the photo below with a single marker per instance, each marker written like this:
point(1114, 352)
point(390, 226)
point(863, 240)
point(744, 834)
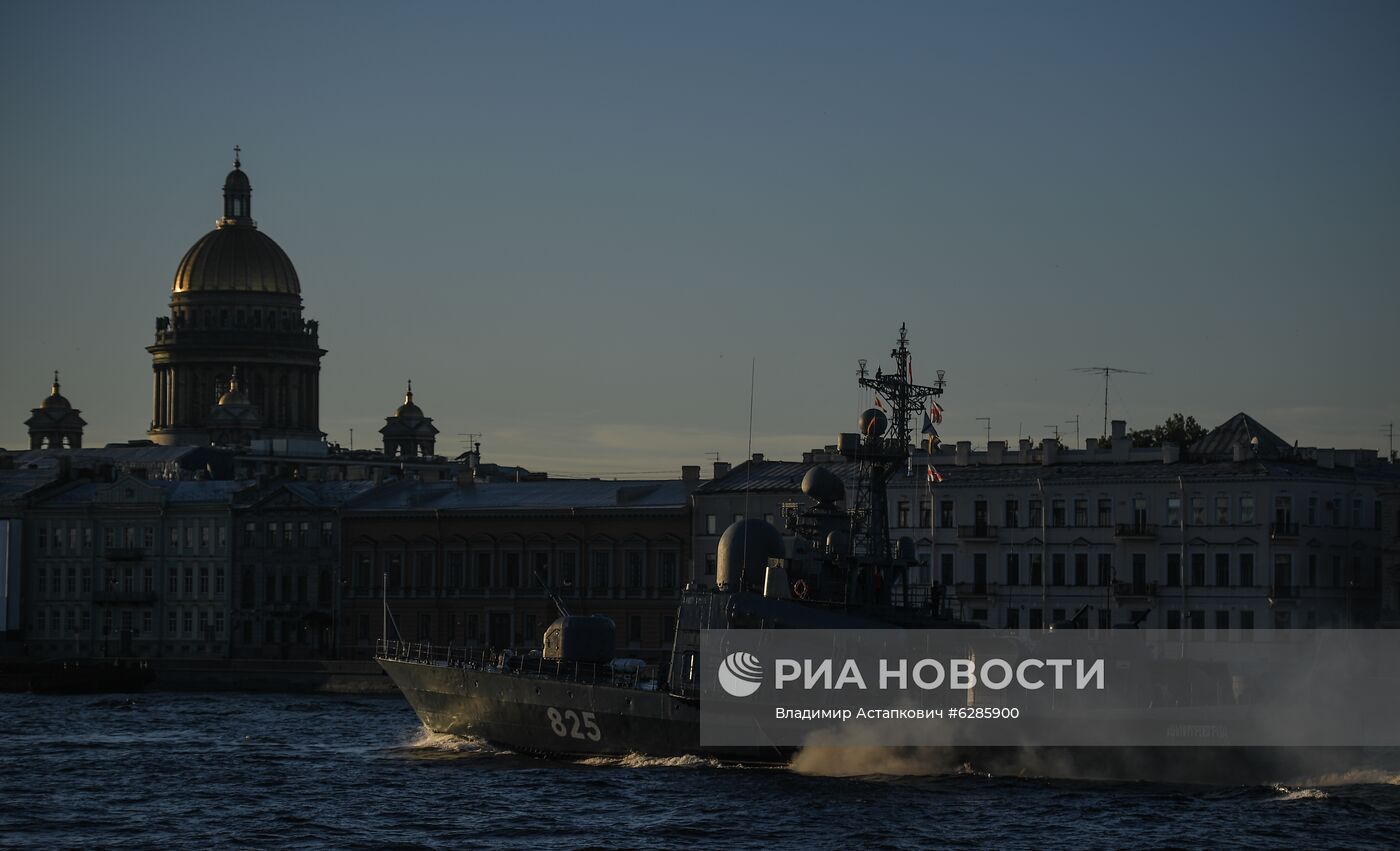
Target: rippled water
point(282, 770)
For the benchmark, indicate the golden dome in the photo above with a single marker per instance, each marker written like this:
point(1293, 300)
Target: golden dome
point(236, 256)
point(236, 259)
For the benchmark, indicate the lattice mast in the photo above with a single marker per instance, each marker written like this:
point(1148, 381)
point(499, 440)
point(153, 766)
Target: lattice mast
point(888, 453)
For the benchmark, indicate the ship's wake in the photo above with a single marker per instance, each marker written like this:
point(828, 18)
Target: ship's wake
point(636, 760)
point(430, 744)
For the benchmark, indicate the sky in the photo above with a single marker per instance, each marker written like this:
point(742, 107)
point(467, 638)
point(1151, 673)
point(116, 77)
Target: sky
point(580, 228)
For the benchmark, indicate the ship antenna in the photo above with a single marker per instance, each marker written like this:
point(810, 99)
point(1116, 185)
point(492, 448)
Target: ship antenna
point(748, 468)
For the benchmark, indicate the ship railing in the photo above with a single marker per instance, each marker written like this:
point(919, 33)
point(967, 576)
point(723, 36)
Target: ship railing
point(619, 673)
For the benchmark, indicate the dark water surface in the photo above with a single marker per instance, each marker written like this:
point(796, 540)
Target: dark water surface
point(292, 770)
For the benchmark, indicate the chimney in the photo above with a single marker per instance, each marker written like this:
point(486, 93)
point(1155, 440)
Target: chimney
point(758, 457)
point(1091, 445)
point(1049, 451)
point(721, 469)
point(996, 450)
point(1120, 429)
point(1171, 453)
point(1346, 458)
point(1025, 451)
point(964, 453)
point(690, 473)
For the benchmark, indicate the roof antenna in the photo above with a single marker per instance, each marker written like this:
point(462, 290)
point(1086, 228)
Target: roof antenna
point(1107, 371)
point(236, 151)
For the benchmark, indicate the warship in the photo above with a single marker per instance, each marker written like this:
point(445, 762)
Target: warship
point(844, 571)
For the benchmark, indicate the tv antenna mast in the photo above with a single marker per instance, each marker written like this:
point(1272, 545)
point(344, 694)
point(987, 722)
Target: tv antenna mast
point(1078, 444)
point(988, 421)
point(1107, 371)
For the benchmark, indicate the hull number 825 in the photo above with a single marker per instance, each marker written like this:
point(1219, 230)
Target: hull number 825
point(574, 725)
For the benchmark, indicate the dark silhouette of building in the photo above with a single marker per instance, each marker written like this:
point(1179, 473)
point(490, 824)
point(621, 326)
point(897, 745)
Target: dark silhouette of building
point(55, 424)
point(236, 303)
point(408, 433)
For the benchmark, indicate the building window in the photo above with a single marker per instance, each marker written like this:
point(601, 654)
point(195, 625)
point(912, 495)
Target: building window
point(189, 580)
point(1222, 510)
point(600, 570)
point(946, 569)
point(423, 573)
point(1105, 569)
point(667, 569)
point(1081, 512)
point(1246, 620)
point(1013, 514)
point(1057, 569)
point(1013, 568)
point(1036, 514)
point(925, 514)
point(1037, 570)
point(709, 524)
point(510, 567)
point(1081, 569)
point(327, 533)
point(1057, 512)
point(1247, 510)
point(204, 580)
point(1198, 511)
point(1174, 510)
point(1173, 570)
point(945, 513)
point(250, 534)
point(568, 571)
point(148, 537)
point(303, 534)
point(902, 515)
point(483, 571)
point(1222, 570)
point(1246, 571)
point(634, 629)
point(636, 570)
point(709, 564)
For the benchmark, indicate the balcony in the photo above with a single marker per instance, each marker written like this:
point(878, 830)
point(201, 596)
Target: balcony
point(1124, 590)
point(1283, 530)
point(1135, 530)
point(124, 553)
point(124, 598)
point(977, 532)
point(966, 590)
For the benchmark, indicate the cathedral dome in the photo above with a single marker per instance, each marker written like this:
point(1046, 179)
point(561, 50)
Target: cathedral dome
point(235, 258)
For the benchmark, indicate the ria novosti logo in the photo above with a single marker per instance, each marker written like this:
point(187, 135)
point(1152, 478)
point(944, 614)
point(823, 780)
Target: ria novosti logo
point(740, 674)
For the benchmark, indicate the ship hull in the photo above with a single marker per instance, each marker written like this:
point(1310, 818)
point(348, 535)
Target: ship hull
point(563, 718)
point(568, 719)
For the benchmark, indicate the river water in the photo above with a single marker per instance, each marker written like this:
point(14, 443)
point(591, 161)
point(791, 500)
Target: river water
point(195, 770)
